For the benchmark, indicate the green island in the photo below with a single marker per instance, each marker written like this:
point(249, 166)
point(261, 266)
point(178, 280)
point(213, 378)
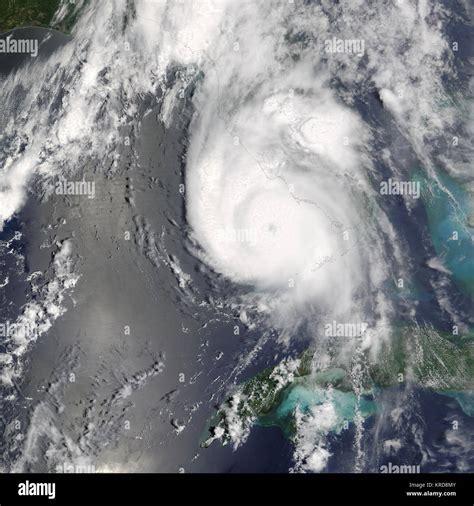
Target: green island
point(418, 354)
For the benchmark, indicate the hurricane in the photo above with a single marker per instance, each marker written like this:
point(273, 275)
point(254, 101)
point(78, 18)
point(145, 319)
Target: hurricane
point(279, 235)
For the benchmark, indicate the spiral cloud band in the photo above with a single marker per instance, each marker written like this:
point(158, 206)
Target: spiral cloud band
point(277, 177)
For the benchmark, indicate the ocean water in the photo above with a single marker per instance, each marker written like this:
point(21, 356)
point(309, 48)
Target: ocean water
point(152, 314)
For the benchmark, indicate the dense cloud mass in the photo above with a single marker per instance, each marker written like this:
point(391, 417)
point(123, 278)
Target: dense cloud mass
point(289, 139)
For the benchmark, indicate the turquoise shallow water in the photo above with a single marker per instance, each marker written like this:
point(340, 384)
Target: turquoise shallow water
point(447, 214)
point(304, 397)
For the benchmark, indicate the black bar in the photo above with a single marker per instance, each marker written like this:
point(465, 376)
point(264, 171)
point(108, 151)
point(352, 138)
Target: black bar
point(240, 489)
